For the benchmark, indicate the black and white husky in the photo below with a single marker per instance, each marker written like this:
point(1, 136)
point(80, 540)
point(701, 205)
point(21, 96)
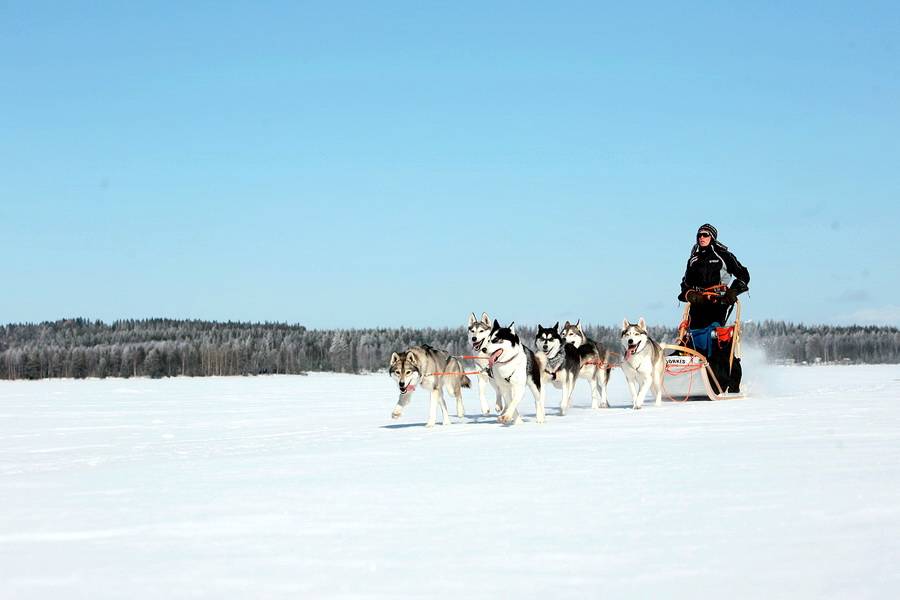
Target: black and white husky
point(644, 362)
point(420, 365)
point(478, 332)
point(514, 368)
point(595, 364)
point(560, 361)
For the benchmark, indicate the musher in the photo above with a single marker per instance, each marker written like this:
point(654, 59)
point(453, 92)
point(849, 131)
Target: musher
point(711, 284)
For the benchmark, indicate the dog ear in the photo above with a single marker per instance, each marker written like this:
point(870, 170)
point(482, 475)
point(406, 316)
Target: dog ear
point(642, 323)
point(512, 327)
point(625, 323)
point(394, 358)
point(485, 318)
point(411, 359)
point(578, 324)
point(566, 326)
point(496, 325)
point(472, 319)
point(556, 327)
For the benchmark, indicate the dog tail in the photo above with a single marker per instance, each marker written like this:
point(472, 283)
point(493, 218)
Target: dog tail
point(612, 361)
point(617, 359)
point(454, 365)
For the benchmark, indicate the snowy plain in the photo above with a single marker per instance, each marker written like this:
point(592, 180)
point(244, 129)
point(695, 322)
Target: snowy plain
point(303, 487)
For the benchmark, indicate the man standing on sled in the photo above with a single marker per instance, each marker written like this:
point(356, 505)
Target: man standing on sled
point(711, 284)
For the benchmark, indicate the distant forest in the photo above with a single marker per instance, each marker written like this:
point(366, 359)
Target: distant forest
point(81, 348)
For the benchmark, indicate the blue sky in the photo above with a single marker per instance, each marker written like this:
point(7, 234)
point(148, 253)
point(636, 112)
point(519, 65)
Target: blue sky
point(383, 164)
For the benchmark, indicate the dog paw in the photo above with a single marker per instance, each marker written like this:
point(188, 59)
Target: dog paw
point(636, 408)
point(395, 415)
point(429, 425)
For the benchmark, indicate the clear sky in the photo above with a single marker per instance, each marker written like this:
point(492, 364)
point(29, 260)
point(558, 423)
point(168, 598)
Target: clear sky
point(344, 164)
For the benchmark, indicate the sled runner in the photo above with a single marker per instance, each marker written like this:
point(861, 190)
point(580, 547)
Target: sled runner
point(685, 359)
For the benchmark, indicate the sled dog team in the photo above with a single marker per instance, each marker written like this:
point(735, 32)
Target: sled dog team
point(561, 357)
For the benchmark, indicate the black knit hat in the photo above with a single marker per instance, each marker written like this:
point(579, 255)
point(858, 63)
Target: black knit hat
point(710, 230)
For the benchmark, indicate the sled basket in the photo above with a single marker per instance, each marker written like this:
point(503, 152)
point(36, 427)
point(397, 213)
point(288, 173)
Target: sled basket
point(683, 360)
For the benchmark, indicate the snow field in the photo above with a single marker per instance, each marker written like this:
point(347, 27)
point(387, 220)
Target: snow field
point(275, 487)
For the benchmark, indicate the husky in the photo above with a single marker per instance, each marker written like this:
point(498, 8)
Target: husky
point(594, 364)
point(417, 366)
point(644, 362)
point(559, 360)
point(478, 332)
point(514, 368)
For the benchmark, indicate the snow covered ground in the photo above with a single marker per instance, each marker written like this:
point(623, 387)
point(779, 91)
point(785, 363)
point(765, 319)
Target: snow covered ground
point(303, 487)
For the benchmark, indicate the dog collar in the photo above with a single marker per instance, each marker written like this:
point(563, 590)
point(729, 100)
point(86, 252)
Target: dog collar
point(556, 361)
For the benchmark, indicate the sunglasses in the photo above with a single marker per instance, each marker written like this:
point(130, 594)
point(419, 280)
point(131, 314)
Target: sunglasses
point(703, 235)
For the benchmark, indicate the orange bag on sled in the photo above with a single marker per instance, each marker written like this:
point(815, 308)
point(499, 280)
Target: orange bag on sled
point(724, 334)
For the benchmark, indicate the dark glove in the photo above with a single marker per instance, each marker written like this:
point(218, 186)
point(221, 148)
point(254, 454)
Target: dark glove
point(695, 297)
point(730, 297)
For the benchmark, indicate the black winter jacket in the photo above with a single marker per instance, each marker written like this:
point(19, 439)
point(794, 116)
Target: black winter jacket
point(707, 267)
point(711, 266)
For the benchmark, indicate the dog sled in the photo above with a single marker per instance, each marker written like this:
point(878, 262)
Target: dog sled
point(684, 360)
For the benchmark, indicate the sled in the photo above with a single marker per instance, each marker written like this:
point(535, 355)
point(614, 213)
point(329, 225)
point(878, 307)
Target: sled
point(684, 360)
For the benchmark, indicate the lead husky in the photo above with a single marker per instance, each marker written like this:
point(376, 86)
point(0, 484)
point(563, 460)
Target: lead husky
point(595, 365)
point(417, 366)
point(515, 367)
point(478, 332)
point(644, 362)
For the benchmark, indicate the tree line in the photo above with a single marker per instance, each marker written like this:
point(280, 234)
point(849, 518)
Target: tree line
point(79, 348)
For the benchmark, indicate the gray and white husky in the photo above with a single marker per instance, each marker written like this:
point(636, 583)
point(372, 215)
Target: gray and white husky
point(514, 368)
point(595, 365)
point(644, 362)
point(417, 366)
point(478, 332)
